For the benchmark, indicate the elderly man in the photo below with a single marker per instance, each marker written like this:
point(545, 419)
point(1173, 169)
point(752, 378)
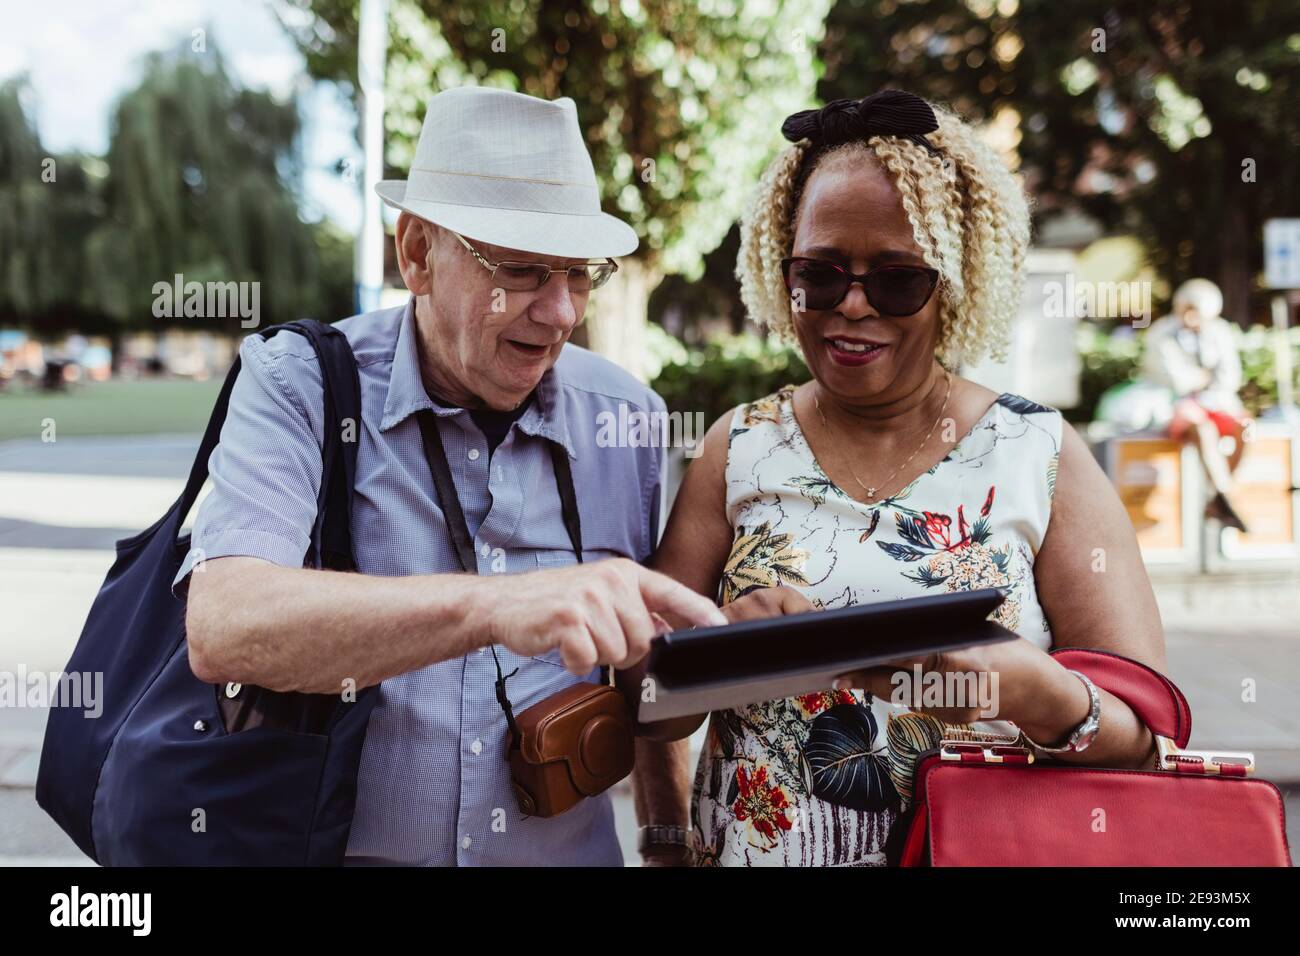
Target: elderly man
point(499, 228)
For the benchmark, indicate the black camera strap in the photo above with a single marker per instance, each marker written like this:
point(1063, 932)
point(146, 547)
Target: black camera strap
point(445, 489)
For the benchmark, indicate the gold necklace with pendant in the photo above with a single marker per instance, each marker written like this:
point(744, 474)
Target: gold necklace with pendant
point(871, 489)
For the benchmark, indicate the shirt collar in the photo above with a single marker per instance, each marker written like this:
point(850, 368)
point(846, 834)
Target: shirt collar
point(545, 416)
point(406, 394)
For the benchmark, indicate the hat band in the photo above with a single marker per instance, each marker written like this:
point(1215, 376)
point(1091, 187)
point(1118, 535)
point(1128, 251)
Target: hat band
point(502, 192)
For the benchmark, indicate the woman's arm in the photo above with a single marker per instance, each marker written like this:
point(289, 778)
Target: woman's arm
point(1094, 589)
point(694, 549)
point(698, 537)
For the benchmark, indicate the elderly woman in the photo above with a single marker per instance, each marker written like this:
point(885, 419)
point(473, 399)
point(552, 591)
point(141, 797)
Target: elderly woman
point(892, 257)
point(1193, 354)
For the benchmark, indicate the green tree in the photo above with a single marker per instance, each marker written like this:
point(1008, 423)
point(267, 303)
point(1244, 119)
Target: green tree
point(48, 204)
point(20, 201)
point(681, 104)
point(202, 179)
point(1170, 119)
point(334, 257)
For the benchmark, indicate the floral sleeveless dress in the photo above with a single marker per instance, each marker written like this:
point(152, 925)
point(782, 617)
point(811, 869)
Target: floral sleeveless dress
point(818, 780)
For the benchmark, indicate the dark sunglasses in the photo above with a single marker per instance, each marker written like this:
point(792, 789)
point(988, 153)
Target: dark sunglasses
point(820, 285)
point(530, 276)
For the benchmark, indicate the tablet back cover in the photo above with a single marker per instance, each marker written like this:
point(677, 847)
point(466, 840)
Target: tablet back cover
point(697, 671)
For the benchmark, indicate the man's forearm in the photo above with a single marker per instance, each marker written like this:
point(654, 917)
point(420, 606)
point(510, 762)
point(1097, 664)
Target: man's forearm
point(661, 782)
point(299, 629)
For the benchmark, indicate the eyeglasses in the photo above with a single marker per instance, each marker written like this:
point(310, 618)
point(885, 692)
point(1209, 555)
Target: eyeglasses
point(895, 291)
point(531, 276)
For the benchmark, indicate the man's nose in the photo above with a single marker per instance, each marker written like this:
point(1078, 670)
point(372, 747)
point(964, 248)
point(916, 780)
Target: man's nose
point(553, 305)
point(855, 306)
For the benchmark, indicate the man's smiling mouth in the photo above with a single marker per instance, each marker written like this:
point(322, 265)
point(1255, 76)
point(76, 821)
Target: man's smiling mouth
point(529, 348)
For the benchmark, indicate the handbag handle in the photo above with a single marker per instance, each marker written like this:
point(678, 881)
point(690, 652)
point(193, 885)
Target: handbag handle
point(1158, 703)
point(1155, 699)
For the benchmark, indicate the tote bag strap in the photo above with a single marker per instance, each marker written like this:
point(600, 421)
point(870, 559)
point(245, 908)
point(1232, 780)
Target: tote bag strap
point(331, 537)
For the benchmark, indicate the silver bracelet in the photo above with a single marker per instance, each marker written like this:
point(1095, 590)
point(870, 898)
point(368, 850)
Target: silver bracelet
point(1086, 732)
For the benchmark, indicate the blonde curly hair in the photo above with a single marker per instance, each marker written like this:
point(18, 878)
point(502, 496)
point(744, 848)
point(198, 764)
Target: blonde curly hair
point(969, 216)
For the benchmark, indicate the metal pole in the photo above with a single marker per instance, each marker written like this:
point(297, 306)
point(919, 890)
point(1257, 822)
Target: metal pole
point(1282, 354)
point(372, 51)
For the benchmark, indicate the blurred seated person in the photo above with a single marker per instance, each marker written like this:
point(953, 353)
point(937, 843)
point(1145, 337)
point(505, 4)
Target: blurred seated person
point(1193, 354)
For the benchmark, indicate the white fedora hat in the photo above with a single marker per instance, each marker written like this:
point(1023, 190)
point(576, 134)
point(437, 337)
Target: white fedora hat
point(512, 170)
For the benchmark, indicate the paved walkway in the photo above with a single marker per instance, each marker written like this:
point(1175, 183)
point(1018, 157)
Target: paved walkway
point(63, 505)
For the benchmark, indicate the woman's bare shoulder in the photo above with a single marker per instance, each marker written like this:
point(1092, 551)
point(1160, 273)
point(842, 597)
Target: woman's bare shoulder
point(969, 401)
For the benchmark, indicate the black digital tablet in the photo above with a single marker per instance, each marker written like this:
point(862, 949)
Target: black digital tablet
point(716, 668)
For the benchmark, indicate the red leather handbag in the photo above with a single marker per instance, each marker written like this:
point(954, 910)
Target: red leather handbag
point(987, 802)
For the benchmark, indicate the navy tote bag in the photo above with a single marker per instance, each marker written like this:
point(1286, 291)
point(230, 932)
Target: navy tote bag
point(178, 772)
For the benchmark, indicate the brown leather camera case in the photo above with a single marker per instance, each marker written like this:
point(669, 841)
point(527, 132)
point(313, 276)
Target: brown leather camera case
point(575, 744)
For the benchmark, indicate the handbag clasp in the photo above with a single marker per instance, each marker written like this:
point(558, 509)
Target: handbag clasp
point(976, 751)
point(1225, 763)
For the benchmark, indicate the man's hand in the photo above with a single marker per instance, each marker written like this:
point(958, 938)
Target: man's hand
point(765, 602)
point(596, 614)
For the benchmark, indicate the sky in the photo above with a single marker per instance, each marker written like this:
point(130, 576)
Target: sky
point(80, 55)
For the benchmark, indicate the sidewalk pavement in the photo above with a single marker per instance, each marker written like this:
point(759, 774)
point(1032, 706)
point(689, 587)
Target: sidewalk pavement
point(61, 508)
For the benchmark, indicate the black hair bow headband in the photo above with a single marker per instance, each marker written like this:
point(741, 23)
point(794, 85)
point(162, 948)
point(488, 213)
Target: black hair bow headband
point(887, 113)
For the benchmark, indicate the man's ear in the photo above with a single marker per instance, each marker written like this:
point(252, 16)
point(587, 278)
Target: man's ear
point(415, 238)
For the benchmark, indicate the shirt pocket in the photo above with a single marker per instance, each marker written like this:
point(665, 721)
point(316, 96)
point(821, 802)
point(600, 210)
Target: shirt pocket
point(563, 558)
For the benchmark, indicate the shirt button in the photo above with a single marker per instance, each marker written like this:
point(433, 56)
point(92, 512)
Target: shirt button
point(466, 842)
point(476, 747)
point(473, 454)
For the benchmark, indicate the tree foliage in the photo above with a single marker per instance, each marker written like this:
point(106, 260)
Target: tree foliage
point(200, 183)
point(48, 204)
point(1152, 116)
point(680, 100)
point(199, 180)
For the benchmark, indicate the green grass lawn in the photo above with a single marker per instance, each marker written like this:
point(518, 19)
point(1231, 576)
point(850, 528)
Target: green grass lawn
point(110, 408)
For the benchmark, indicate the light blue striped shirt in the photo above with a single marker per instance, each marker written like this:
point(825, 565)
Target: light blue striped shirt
point(434, 786)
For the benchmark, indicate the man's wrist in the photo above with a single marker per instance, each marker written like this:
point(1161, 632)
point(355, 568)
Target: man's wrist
point(661, 838)
point(481, 597)
point(669, 857)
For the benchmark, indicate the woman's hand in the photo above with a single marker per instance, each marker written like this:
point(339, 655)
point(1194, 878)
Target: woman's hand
point(1010, 680)
point(766, 602)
